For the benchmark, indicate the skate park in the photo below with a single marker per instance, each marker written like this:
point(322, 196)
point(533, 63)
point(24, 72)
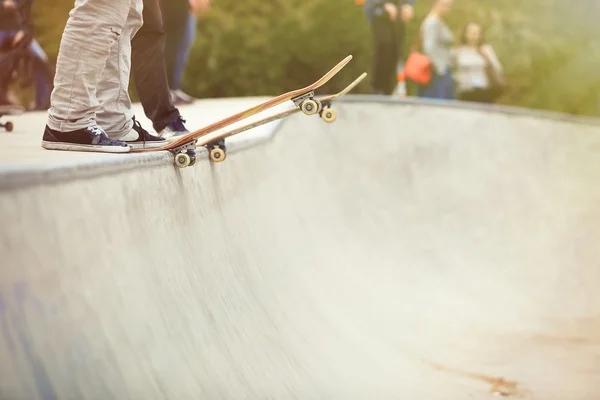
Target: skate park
point(411, 249)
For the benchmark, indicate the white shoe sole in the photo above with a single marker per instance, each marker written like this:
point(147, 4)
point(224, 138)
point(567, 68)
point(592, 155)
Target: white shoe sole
point(169, 137)
point(147, 145)
point(84, 147)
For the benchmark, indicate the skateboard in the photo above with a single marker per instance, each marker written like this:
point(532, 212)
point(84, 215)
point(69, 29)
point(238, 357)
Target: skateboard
point(10, 110)
point(304, 99)
point(327, 114)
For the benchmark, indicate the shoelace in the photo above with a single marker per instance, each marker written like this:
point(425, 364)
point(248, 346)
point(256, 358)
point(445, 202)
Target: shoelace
point(140, 130)
point(180, 122)
point(137, 124)
point(96, 130)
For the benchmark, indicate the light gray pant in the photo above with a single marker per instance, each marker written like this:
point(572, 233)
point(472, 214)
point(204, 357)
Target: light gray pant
point(92, 72)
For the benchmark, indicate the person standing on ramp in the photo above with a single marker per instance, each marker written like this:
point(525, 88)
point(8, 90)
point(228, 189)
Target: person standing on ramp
point(387, 20)
point(149, 73)
point(90, 106)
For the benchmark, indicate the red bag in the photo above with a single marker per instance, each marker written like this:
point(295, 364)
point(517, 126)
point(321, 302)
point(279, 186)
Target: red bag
point(418, 67)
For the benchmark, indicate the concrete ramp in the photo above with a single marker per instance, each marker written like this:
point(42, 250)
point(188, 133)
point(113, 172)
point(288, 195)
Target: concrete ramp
point(408, 251)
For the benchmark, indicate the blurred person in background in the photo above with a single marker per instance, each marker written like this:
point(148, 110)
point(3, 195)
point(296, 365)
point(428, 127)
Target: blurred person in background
point(180, 27)
point(149, 73)
point(478, 72)
point(407, 15)
point(437, 41)
point(388, 25)
point(20, 48)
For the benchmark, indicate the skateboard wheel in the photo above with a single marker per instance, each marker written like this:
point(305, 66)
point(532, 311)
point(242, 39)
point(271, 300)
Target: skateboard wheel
point(310, 107)
point(9, 126)
point(192, 161)
point(182, 160)
point(217, 154)
point(329, 115)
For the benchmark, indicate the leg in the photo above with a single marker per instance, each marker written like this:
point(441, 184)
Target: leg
point(379, 48)
point(392, 58)
point(468, 95)
point(384, 55)
point(488, 95)
point(116, 116)
point(92, 29)
point(447, 86)
point(440, 87)
point(6, 69)
point(400, 38)
point(400, 83)
point(175, 18)
point(182, 58)
point(149, 70)
point(476, 95)
point(184, 51)
point(43, 85)
point(43, 76)
point(38, 51)
point(430, 91)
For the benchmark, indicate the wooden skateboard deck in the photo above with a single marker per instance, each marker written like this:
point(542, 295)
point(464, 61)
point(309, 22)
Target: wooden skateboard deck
point(302, 98)
point(327, 114)
point(10, 110)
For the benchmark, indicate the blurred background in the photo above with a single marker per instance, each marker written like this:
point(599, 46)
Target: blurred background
point(549, 49)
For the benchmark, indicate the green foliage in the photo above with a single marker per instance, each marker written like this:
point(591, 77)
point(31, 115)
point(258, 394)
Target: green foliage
point(264, 48)
point(549, 48)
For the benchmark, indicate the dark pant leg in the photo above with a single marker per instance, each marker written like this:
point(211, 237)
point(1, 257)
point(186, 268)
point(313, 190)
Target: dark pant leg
point(440, 87)
point(149, 69)
point(175, 18)
point(431, 89)
point(384, 56)
point(42, 74)
point(477, 95)
point(400, 27)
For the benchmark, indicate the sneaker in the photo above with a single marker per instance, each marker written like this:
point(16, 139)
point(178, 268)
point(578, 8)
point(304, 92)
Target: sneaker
point(178, 99)
point(139, 138)
point(174, 129)
point(92, 138)
point(184, 96)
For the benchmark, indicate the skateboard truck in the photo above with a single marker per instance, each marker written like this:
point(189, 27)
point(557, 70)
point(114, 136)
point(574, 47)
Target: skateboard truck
point(310, 106)
point(326, 113)
point(185, 155)
point(217, 150)
point(307, 103)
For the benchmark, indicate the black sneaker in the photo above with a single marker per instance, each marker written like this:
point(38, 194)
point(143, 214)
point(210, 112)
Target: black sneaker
point(139, 138)
point(92, 138)
point(174, 129)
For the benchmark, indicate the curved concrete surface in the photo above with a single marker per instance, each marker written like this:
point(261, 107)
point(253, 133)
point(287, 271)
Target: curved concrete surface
point(404, 252)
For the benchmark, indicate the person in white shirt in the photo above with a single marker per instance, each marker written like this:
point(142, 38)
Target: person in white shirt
point(477, 70)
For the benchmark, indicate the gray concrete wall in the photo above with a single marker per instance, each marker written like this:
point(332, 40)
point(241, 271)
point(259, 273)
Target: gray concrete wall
point(403, 252)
